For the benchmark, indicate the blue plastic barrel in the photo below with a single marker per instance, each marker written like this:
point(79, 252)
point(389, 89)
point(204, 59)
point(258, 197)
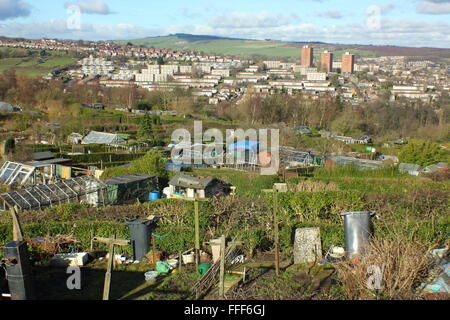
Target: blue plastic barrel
point(154, 195)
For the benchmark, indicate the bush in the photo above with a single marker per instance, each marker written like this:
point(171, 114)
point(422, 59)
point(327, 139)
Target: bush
point(403, 263)
point(9, 146)
point(350, 171)
point(105, 157)
point(423, 153)
point(152, 163)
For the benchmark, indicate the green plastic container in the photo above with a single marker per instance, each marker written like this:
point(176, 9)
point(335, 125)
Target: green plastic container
point(203, 268)
point(162, 267)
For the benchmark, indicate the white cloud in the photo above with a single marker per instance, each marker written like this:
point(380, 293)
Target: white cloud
point(13, 8)
point(434, 7)
point(332, 14)
point(250, 20)
point(57, 28)
point(402, 32)
point(387, 8)
point(187, 13)
point(90, 6)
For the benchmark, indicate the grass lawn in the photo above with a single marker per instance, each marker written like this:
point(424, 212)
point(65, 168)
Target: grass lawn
point(33, 66)
point(57, 62)
point(247, 183)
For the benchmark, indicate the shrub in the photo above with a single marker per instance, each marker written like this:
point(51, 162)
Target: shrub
point(152, 163)
point(9, 146)
point(105, 157)
point(423, 153)
point(403, 263)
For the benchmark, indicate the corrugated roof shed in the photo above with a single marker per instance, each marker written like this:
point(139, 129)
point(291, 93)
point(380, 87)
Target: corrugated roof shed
point(45, 155)
point(130, 178)
point(184, 181)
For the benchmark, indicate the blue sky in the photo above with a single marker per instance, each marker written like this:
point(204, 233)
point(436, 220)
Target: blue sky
point(392, 22)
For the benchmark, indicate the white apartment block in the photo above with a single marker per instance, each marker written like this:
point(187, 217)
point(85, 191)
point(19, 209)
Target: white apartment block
point(316, 76)
point(280, 73)
point(221, 72)
point(203, 67)
point(272, 64)
point(253, 69)
point(185, 69)
point(303, 70)
point(337, 65)
point(169, 69)
point(94, 66)
point(161, 77)
point(287, 65)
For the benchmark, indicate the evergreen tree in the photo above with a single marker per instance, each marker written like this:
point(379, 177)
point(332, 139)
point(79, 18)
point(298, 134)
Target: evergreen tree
point(145, 131)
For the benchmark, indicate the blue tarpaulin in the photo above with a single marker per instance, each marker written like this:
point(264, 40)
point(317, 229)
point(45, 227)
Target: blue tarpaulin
point(244, 145)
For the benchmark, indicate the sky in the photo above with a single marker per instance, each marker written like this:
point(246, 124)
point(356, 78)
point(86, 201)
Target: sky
point(415, 23)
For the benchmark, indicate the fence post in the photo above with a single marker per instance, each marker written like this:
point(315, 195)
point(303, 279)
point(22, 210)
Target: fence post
point(197, 235)
point(222, 268)
point(276, 235)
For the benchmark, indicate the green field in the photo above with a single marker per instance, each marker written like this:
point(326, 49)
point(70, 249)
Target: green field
point(245, 48)
point(278, 49)
point(36, 66)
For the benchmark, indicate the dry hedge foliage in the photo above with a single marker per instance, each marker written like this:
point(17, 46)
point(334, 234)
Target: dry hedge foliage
point(312, 186)
point(403, 263)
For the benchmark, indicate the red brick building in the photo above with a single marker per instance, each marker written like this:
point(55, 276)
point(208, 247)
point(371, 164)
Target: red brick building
point(327, 61)
point(307, 56)
point(348, 63)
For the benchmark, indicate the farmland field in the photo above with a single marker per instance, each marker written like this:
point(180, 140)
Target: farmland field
point(272, 48)
point(245, 48)
point(35, 66)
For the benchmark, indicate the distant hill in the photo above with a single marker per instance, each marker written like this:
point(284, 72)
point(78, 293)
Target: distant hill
point(277, 49)
point(195, 37)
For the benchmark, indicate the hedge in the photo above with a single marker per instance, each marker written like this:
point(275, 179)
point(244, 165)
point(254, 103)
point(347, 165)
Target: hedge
point(105, 157)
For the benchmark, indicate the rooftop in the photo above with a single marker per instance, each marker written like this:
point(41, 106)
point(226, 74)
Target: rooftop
point(129, 178)
point(185, 181)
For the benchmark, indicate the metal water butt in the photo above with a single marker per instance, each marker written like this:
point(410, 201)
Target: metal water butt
point(358, 228)
point(18, 270)
point(140, 231)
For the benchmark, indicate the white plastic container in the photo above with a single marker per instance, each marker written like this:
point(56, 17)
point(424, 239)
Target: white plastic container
point(173, 262)
point(67, 259)
point(215, 249)
point(188, 258)
point(151, 276)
